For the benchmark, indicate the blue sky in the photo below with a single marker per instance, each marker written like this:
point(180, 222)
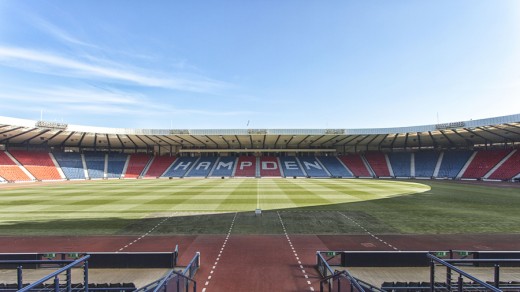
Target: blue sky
point(259, 64)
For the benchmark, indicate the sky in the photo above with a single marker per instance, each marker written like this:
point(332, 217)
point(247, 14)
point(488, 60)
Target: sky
point(272, 64)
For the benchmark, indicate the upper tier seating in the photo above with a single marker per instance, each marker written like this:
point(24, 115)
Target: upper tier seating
point(269, 166)
point(453, 162)
point(246, 166)
point(136, 165)
point(180, 167)
point(291, 167)
point(401, 163)
point(203, 167)
point(509, 169)
point(334, 166)
point(95, 164)
point(39, 164)
point(71, 164)
point(425, 163)
point(9, 170)
point(224, 166)
point(378, 163)
point(355, 163)
point(483, 162)
point(312, 166)
point(116, 164)
point(159, 165)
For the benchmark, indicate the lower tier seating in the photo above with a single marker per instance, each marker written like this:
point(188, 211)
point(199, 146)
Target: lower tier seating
point(269, 167)
point(401, 163)
point(509, 169)
point(71, 164)
point(136, 165)
point(377, 161)
point(291, 167)
point(334, 166)
point(452, 163)
point(224, 166)
point(180, 167)
point(355, 163)
point(312, 167)
point(246, 166)
point(9, 170)
point(39, 164)
point(159, 165)
point(203, 167)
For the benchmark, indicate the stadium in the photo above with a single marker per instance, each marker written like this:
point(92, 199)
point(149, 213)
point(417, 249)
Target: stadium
point(292, 145)
point(260, 209)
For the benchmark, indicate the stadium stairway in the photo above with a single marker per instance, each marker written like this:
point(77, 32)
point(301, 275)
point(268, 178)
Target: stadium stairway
point(224, 167)
point(291, 167)
point(508, 168)
point(355, 163)
point(203, 167)
point(71, 164)
point(39, 164)
point(158, 166)
point(483, 162)
point(313, 167)
point(334, 166)
point(136, 165)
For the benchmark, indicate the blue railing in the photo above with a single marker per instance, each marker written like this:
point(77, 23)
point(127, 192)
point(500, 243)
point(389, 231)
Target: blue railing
point(67, 270)
point(176, 281)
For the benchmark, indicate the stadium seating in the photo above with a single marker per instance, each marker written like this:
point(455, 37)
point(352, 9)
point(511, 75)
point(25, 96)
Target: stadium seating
point(452, 163)
point(378, 163)
point(509, 169)
point(312, 167)
point(159, 165)
point(483, 162)
point(269, 167)
point(291, 167)
point(224, 167)
point(334, 166)
point(136, 165)
point(355, 163)
point(246, 166)
point(180, 167)
point(95, 164)
point(116, 164)
point(71, 164)
point(401, 163)
point(9, 170)
point(203, 167)
point(425, 163)
point(39, 164)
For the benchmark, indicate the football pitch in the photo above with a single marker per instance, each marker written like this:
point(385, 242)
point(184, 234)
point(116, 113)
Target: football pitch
point(307, 206)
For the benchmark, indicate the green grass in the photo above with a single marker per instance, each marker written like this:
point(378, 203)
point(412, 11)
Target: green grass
point(307, 206)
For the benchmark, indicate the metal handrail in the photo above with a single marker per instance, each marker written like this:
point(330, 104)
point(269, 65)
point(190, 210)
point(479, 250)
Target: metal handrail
point(55, 273)
point(461, 272)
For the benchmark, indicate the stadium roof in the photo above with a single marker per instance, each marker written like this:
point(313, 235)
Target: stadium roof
point(463, 134)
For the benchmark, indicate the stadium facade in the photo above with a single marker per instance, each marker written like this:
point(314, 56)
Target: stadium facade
point(476, 149)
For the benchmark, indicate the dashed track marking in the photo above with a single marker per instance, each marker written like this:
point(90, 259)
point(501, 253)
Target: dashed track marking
point(220, 253)
point(294, 252)
point(368, 232)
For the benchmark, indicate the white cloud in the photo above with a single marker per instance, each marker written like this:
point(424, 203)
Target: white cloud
point(62, 65)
